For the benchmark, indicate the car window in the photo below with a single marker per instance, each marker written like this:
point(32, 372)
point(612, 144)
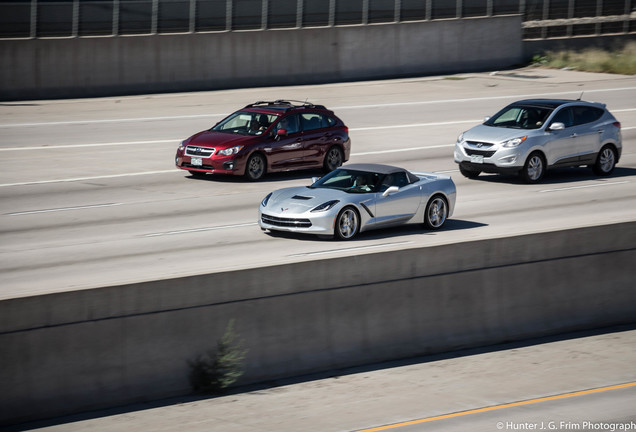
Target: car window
point(245, 123)
point(586, 114)
point(564, 116)
point(311, 121)
point(520, 117)
point(350, 181)
point(289, 123)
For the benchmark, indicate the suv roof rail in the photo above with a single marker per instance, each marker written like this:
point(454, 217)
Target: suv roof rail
point(288, 103)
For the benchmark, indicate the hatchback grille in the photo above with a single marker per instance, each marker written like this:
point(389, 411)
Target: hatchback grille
point(205, 152)
point(484, 153)
point(285, 222)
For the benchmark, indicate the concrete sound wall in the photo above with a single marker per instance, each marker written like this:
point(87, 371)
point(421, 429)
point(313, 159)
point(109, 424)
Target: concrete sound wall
point(74, 351)
point(81, 67)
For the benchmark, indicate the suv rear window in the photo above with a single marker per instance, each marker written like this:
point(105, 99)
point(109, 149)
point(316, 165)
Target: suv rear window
point(586, 114)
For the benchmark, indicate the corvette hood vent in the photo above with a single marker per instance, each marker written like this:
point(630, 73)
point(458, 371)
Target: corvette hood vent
point(300, 197)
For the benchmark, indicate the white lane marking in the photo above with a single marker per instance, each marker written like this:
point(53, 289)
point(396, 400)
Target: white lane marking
point(89, 178)
point(120, 120)
point(194, 230)
point(402, 150)
point(415, 125)
point(140, 119)
point(64, 209)
point(350, 249)
point(176, 140)
point(583, 187)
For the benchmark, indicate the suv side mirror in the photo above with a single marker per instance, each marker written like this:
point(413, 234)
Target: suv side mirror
point(391, 190)
point(557, 126)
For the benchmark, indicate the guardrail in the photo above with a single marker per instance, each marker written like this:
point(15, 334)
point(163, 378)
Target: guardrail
point(90, 18)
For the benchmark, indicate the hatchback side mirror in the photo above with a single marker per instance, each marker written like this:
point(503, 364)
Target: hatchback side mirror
point(281, 132)
point(557, 126)
point(391, 190)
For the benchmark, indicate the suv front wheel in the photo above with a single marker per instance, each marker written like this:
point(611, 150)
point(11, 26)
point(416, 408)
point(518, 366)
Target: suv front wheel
point(534, 168)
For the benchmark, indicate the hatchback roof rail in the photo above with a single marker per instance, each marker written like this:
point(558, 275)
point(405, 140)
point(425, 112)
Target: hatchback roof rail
point(288, 103)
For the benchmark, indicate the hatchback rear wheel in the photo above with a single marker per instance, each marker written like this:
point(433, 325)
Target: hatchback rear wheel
point(333, 159)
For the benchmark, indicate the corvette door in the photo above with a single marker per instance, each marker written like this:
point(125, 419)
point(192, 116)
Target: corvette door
point(399, 206)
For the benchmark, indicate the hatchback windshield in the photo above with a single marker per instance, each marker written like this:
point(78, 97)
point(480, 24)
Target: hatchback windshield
point(245, 123)
point(520, 117)
point(351, 181)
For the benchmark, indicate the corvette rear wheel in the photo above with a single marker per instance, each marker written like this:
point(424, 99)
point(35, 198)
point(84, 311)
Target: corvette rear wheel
point(347, 224)
point(436, 212)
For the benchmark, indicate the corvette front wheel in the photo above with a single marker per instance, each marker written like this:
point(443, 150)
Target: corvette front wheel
point(347, 224)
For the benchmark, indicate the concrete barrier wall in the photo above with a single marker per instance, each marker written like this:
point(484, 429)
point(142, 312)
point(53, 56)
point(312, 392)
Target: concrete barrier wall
point(81, 67)
point(68, 352)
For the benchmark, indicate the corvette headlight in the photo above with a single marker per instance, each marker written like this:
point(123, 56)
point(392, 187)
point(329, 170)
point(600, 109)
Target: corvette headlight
point(266, 200)
point(514, 142)
point(230, 151)
point(325, 206)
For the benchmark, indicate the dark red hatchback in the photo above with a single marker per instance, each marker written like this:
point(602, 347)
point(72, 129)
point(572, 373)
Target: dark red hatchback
point(268, 137)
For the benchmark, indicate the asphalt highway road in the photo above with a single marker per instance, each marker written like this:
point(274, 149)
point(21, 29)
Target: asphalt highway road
point(89, 195)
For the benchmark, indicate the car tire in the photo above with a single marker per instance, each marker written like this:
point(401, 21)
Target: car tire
point(605, 161)
point(468, 173)
point(347, 224)
point(534, 168)
point(436, 212)
point(333, 159)
point(256, 167)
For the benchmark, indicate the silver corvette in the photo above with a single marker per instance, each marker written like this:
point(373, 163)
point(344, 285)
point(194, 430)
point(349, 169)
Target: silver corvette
point(360, 197)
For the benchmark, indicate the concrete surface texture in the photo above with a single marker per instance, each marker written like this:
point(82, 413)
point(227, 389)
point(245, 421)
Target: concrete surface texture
point(81, 67)
point(418, 389)
point(96, 348)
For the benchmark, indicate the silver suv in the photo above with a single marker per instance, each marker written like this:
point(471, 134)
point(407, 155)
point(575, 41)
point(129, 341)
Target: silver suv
point(529, 136)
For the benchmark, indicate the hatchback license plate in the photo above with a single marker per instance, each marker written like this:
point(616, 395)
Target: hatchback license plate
point(477, 159)
point(196, 161)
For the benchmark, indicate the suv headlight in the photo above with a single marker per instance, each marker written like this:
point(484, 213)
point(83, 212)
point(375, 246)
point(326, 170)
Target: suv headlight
point(325, 206)
point(514, 142)
point(230, 151)
point(460, 138)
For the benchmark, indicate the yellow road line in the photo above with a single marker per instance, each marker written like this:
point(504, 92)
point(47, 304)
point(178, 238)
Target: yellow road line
point(496, 407)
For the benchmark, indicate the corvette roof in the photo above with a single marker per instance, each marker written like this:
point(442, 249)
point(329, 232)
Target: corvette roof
point(377, 168)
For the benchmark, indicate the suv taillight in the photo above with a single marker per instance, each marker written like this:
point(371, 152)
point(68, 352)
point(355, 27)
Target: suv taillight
point(617, 124)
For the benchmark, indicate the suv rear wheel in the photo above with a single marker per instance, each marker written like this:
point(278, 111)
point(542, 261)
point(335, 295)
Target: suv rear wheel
point(606, 161)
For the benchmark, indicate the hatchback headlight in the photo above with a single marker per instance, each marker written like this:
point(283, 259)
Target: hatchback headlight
point(325, 206)
point(230, 151)
point(514, 142)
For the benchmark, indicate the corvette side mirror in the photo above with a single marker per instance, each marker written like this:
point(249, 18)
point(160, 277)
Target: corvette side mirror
point(391, 190)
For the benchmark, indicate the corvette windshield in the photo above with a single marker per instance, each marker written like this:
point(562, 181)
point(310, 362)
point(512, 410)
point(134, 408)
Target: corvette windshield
point(245, 123)
point(520, 117)
point(350, 181)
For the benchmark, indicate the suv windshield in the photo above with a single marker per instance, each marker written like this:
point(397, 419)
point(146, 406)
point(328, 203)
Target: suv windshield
point(520, 117)
point(350, 181)
point(245, 123)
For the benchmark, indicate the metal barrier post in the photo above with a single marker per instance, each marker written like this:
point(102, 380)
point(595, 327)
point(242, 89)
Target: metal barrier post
point(264, 14)
point(228, 15)
point(193, 16)
point(155, 17)
point(332, 13)
point(397, 11)
point(34, 20)
point(115, 31)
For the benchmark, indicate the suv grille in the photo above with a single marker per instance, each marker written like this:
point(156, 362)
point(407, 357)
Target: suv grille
point(484, 153)
point(205, 152)
point(285, 222)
